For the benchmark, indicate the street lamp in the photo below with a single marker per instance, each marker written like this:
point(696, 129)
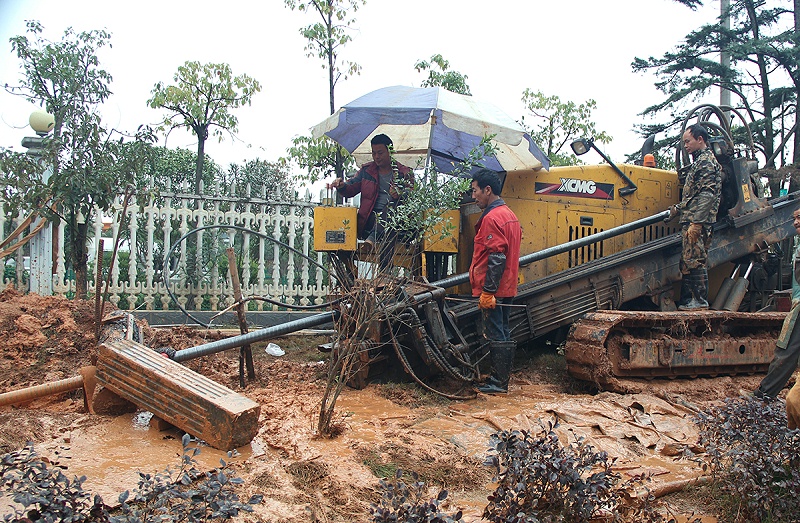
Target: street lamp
point(42, 123)
point(41, 245)
point(582, 146)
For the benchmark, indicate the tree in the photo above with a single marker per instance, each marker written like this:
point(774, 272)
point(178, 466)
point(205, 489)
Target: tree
point(177, 166)
point(274, 178)
point(324, 41)
point(453, 81)
point(320, 157)
point(201, 100)
point(760, 43)
point(88, 170)
point(556, 123)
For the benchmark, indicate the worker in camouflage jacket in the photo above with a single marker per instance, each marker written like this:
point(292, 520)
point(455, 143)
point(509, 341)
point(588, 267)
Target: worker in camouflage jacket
point(698, 211)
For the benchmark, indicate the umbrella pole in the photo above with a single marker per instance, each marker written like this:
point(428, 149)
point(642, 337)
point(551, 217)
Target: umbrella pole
point(432, 119)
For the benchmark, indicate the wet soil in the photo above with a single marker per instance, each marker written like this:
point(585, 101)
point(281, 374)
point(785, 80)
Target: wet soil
point(384, 427)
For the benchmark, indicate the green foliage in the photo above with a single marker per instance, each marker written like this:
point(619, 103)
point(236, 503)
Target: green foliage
point(319, 157)
point(18, 171)
point(324, 38)
point(201, 100)
point(555, 124)
point(64, 76)
point(539, 480)
point(453, 81)
point(45, 494)
point(753, 458)
point(408, 503)
point(88, 167)
point(174, 165)
point(762, 48)
point(433, 193)
point(274, 178)
point(185, 494)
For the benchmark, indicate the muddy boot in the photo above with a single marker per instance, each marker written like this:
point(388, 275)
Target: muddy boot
point(698, 282)
point(502, 355)
point(686, 292)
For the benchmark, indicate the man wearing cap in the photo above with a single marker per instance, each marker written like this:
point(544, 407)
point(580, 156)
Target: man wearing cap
point(382, 184)
point(493, 274)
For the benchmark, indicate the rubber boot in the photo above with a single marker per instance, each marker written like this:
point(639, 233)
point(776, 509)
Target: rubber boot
point(502, 356)
point(686, 292)
point(698, 282)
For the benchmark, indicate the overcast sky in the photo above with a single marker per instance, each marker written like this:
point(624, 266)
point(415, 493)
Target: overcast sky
point(578, 49)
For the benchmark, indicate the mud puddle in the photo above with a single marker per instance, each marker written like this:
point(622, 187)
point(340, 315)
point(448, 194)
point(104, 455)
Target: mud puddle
point(112, 451)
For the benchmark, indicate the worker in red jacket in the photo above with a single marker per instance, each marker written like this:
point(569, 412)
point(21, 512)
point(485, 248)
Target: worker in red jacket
point(493, 274)
point(382, 184)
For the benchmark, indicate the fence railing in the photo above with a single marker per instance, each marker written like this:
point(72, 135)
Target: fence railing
point(261, 231)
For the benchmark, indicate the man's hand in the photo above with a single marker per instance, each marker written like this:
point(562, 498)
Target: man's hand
point(487, 301)
point(693, 233)
point(673, 213)
point(335, 184)
point(393, 192)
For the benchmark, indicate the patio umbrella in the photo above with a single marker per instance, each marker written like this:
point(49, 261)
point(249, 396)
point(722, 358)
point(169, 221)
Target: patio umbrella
point(430, 124)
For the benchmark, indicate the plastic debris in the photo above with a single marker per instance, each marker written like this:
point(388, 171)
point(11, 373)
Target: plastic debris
point(274, 350)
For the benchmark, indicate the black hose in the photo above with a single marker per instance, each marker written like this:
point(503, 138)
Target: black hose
point(433, 352)
point(168, 256)
point(407, 367)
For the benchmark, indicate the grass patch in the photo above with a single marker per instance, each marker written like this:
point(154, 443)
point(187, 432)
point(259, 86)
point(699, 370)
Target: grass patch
point(410, 395)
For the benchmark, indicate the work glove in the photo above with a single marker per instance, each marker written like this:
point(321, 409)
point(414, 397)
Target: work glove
point(487, 301)
point(673, 212)
point(693, 233)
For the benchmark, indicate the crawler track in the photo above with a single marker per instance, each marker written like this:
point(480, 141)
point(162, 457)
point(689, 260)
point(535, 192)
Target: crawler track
point(604, 347)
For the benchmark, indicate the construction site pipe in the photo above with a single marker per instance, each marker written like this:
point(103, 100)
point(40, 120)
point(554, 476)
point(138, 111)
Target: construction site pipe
point(40, 391)
point(459, 279)
point(255, 336)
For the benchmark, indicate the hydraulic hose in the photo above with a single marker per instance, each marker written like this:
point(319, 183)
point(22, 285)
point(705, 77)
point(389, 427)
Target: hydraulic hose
point(165, 269)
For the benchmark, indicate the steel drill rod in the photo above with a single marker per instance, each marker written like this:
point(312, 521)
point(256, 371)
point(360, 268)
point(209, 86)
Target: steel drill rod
point(39, 391)
point(255, 336)
point(459, 279)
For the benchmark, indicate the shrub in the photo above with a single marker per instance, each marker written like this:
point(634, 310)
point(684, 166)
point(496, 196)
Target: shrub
point(45, 494)
point(539, 480)
point(402, 503)
point(754, 459)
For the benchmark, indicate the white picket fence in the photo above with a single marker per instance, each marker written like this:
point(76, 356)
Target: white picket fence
point(198, 275)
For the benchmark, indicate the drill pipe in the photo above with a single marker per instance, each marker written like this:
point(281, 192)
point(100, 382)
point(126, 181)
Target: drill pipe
point(459, 279)
point(252, 337)
point(86, 381)
point(452, 281)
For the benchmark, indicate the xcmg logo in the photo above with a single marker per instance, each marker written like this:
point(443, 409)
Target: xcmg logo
point(573, 185)
point(577, 188)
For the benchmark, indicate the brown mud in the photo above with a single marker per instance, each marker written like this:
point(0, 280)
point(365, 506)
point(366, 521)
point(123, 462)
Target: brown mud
point(384, 427)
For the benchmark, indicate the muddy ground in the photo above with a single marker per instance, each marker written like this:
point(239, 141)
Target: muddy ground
point(384, 427)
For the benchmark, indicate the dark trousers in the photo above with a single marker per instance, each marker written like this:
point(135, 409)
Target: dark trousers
point(783, 365)
point(495, 321)
point(385, 239)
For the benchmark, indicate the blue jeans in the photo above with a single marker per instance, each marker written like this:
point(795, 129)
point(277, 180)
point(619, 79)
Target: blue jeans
point(495, 321)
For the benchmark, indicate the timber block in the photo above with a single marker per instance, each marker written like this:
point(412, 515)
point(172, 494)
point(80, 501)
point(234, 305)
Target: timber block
point(190, 401)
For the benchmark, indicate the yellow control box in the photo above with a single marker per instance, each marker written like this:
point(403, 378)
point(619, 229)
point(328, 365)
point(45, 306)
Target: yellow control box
point(335, 229)
point(443, 237)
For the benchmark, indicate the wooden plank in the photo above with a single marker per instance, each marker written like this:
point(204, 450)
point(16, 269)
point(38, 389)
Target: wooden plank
point(174, 393)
